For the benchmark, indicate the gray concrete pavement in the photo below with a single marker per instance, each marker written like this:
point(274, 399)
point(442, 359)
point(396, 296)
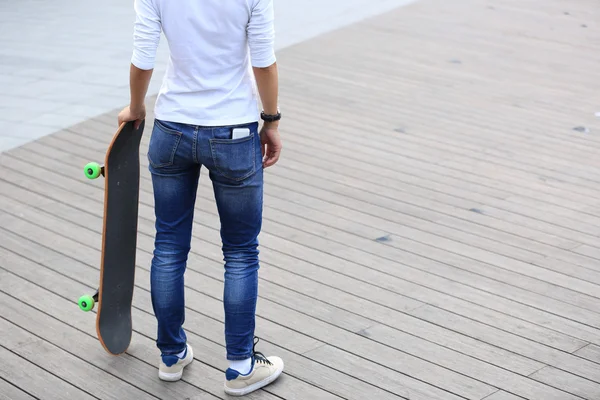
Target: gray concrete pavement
point(65, 61)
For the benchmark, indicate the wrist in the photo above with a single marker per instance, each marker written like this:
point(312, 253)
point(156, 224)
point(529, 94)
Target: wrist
point(271, 125)
point(137, 108)
point(270, 117)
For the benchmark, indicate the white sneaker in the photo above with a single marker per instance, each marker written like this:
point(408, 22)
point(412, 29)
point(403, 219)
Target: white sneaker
point(171, 367)
point(264, 371)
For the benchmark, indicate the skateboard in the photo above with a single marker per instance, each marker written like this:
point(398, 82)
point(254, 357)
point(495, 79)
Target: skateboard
point(121, 171)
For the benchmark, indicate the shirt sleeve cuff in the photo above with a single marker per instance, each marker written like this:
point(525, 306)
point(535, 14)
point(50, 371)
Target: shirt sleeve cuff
point(264, 61)
point(141, 62)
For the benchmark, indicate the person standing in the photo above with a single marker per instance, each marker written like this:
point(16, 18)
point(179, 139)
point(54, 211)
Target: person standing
point(222, 65)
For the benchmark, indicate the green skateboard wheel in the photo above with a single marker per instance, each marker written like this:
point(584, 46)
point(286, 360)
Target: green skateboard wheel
point(92, 170)
point(86, 302)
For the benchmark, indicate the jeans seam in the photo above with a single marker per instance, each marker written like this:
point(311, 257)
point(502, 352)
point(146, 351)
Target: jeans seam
point(241, 357)
point(195, 145)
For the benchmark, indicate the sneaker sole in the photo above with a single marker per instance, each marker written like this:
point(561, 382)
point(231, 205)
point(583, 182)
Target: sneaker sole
point(173, 377)
point(254, 386)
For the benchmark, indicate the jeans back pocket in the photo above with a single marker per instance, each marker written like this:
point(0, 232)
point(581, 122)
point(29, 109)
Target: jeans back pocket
point(235, 159)
point(163, 145)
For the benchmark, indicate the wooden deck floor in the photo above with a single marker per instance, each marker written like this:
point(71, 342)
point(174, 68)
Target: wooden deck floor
point(432, 231)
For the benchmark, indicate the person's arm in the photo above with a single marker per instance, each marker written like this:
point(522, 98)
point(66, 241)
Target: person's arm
point(139, 80)
point(146, 38)
point(261, 41)
point(267, 80)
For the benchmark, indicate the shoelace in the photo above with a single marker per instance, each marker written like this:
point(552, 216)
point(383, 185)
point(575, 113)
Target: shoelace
point(258, 356)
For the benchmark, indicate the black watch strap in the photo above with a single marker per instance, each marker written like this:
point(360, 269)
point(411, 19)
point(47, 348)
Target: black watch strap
point(270, 117)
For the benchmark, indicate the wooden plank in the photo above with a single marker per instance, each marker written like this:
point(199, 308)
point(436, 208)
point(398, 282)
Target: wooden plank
point(405, 386)
point(576, 385)
point(61, 362)
point(430, 221)
point(11, 392)
point(502, 395)
point(593, 252)
point(38, 382)
point(590, 352)
point(567, 378)
point(528, 348)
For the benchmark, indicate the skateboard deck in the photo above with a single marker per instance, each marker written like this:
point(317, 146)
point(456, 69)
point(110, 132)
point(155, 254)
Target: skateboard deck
point(121, 171)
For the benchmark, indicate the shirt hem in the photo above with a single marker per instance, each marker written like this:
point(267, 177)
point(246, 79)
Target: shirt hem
point(206, 122)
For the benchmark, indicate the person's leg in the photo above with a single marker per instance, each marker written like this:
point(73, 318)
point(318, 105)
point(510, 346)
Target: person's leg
point(237, 178)
point(175, 180)
point(237, 175)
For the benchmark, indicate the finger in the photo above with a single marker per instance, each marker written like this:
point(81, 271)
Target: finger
point(272, 158)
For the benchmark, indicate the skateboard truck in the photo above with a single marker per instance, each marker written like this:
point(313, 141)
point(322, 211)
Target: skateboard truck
point(93, 170)
point(87, 302)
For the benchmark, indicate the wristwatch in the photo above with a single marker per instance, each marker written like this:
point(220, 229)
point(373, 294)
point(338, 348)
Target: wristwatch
point(270, 117)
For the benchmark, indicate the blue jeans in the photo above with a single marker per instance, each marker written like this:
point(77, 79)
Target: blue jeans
point(176, 153)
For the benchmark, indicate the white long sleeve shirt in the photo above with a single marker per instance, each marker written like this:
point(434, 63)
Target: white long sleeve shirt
point(213, 44)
